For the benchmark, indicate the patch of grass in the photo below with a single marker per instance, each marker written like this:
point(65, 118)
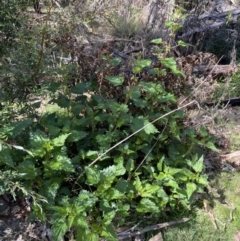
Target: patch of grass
point(225, 207)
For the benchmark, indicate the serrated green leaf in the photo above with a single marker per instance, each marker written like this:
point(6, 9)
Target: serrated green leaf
point(171, 183)
point(92, 237)
point(137, 184)
point(28, 169)
point(146, 205)
point(203, 180)
point(171, 170)
point(6, 158)
point(82, 233)
point(59, 229)
point(120, 169)
point(62, 101)
point(183, 44)
point(60, 163)
point(115, 80)
point(70, 220)
point(92, 154)
point(135, 96)
point(140, 122)
point(171, 64)
point(198, 165)
point(108, 173)
point(80, 88)
point(113, 193)
point(93, 176)
point(109, 233)
point(77, 135)
point(130, 165)
point(81, 221)
point(211, 146)
point(149, 190)
point(140, 64)
point(115, 62)
point(190, 189)
point(108, 217)
point(60, 140)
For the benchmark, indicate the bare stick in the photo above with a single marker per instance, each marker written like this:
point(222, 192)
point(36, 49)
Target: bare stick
point(122, 236)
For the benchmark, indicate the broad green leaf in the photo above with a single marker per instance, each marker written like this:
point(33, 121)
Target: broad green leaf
point(135, 96)
point(60, 140)
point(6, 158)
point(28, 169)
point(198, 166)
point(124, 186)
point(140, 64)
point(115, 62)
point(190, 189)
point(120, 169)
point(92, 237)
point(146, 205)
point(171, 170)
point(86, 199)
point(156, 41)
point(93, 176)
point(62, 101)
point(171, 64)
point(140, 122)
point(77, 135)
point(108, 217)
point(80, 88)
point(113, 193)
point(92, 154)
point(211, 146)
point(77, 109)
point(60, 163)
point(59, 229)
point(70, 220)
point(149, 190)
point(137, 184)
point(81, 221)
point(50, 188)
point(82, 233)
point(115, 80)
point(171, 183)
point(162, 194)
point(130, 165)
point(203, 180)
point(109, 172)
point(151, 88)
point(203, 131)
point(108, 232)
point(160, 164)
point(183, 44)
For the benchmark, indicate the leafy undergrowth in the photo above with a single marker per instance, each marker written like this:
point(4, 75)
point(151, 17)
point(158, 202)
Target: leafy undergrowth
point(111, 144)
point(90, 159)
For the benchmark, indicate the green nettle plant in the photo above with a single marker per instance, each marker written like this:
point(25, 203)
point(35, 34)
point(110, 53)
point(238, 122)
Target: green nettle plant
point(64, 162)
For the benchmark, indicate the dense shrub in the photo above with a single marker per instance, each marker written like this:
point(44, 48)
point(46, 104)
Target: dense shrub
point(62, 161)
point(111, 142)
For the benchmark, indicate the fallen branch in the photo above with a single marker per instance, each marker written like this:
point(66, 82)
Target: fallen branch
point(125, 235)
point(219, 70)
